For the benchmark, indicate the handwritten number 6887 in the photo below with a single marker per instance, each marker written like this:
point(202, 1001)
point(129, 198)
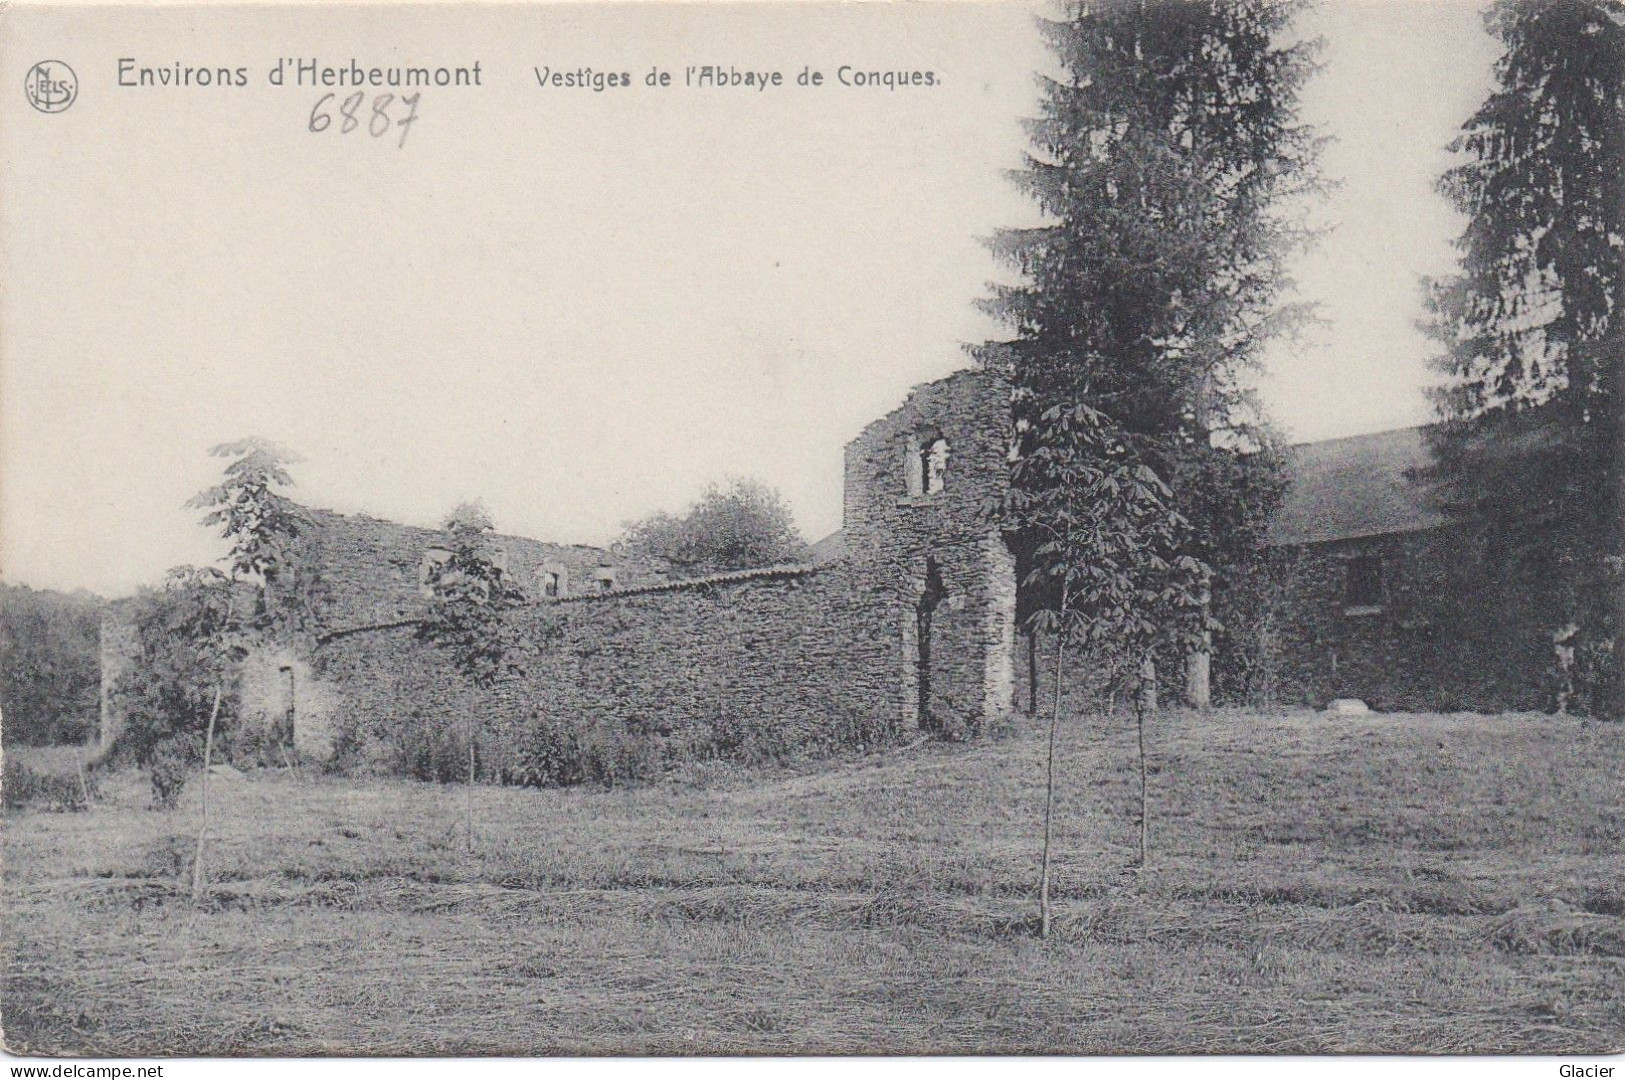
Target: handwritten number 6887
point(378, 120)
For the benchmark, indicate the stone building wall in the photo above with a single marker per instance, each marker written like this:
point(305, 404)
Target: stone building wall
point(913, 626)
point(789, 661)
point(284, 704)
point(937, 556)
point(1446, 633)
point(1437, 638)
point(1377, 592)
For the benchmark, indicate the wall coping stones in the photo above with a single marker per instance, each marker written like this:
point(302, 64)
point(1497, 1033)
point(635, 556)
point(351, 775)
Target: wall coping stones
point(761, 573)
point(785, 570)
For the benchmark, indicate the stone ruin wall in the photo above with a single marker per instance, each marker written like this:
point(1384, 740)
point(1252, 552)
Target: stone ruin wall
point(798, 651)
point(828, 656)
point(371, 571)
point(895, 537)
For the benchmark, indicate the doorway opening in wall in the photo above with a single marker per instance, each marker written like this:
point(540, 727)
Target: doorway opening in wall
point(930, 597)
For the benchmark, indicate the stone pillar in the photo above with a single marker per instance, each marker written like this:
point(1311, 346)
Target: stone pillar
point(999, 632)
point(1197, 692)
point(1198, 665)
point(909, 671)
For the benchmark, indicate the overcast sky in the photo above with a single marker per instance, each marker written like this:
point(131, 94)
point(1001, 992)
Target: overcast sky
point(583, 307)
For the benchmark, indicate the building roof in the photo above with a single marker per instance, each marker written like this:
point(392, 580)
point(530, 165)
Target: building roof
point(1342, 489)
point(1362, 485)
point(829, 549)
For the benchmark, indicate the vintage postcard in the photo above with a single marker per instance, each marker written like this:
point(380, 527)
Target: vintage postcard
point(1081, 527)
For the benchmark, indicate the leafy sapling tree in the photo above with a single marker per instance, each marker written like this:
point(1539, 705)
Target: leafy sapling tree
point(470, 599)
point(260, 526)
point(180, 680)
point(1107, 565)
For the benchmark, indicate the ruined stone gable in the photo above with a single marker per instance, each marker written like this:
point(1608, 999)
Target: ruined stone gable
point(922, 484)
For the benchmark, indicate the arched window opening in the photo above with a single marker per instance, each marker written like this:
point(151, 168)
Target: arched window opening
point(553, 580)
point(428, 569)
point(936, 465)
point(925, 462)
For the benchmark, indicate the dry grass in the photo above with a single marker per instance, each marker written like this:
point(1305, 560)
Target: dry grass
point(1424, 884)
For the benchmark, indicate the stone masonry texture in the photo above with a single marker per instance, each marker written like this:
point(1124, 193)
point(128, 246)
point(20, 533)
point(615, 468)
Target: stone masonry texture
point(899, 545)
point(794, 658)
point(784, 661)
point(911, 626)
point(1432, 642)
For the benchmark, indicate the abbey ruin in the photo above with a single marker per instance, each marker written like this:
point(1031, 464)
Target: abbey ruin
point(911, 623)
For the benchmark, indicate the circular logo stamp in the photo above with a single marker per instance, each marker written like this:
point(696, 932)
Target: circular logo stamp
point(51, 86)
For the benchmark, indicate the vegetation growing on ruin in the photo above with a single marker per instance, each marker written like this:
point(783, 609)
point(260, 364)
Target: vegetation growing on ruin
point(738, 526)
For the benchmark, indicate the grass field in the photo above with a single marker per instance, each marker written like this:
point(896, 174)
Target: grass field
point(1406, 883)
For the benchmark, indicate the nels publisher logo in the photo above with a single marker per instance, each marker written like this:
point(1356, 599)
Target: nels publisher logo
point(51, 86)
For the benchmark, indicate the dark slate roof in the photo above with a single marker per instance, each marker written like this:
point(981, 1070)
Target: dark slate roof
point(1362, 485)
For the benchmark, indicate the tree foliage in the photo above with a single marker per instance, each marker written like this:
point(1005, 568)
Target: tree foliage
point(1109, 555)
point(470, 602)
point(1168, 158)
point(740, 526)
point(261, 526)
point(470, 597)
point(186, 650)
point(1529, 452)
point(50, 666)
point(1111, 549)
point(1164, 159)
point(181, 688)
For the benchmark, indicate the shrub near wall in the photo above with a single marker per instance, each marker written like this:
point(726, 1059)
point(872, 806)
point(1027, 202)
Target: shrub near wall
point(762, 668)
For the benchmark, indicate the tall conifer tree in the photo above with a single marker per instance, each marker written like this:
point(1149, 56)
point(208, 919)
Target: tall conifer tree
point(1530, 449)
point(1168, 158)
